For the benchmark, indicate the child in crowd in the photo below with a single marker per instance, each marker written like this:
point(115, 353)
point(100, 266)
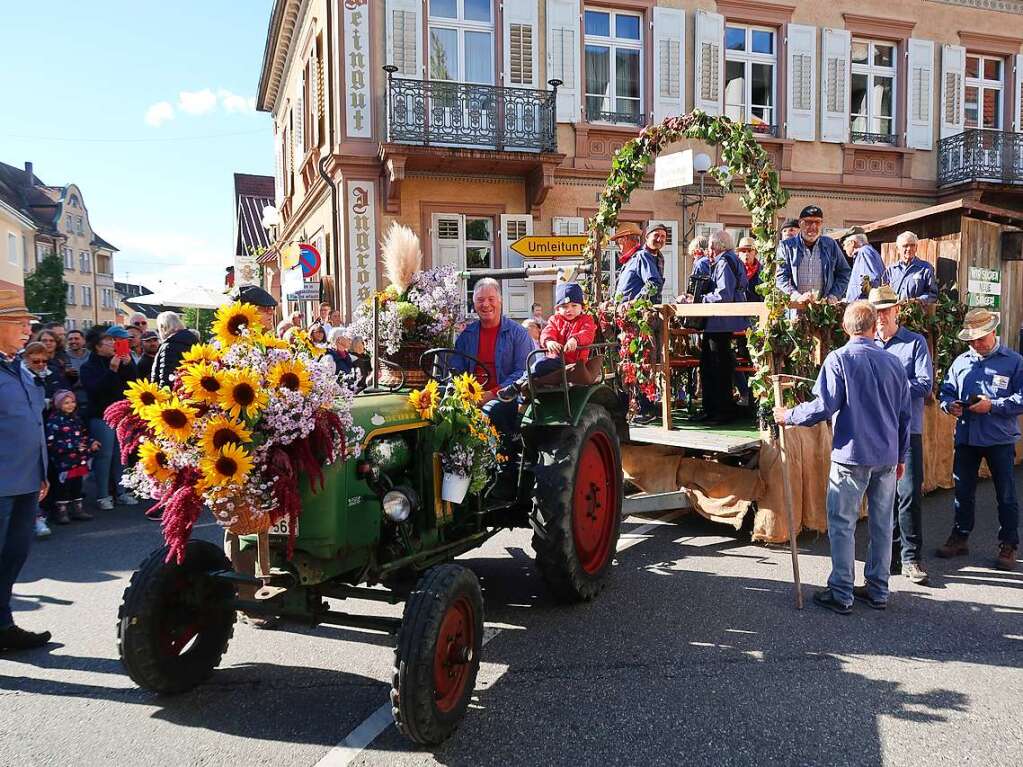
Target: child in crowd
point(70, 450)
point(567, 332)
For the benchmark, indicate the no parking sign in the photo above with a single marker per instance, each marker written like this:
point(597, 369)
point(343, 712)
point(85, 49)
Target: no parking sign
point(309, 259)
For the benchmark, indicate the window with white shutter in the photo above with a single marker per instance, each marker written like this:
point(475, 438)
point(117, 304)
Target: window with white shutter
point(563, 55)
point(985, 85)
point(919, 123)
point(872, 96)
point(750, 65)
point(300, 146)
point(70, 294)
point(562, 225)
point(800, 111)
point(517, 294)
point(403, 37)
point(520, 54)
point(953, 67)
point(1019, 93)
point(835, 46)
point(709, 61)
point(669, 62)
point(278, 171)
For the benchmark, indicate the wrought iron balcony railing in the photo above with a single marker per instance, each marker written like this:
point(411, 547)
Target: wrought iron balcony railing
point(435, 113)
point(617, 118)
point(981, 155)
point(862, 137)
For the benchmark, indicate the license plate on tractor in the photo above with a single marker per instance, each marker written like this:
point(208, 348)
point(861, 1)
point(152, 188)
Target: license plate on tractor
point(282, 527)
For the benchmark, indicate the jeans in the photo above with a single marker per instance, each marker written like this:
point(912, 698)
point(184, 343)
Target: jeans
point(717, 373)
point(545, 366)
point(106, 464)
point(17, 530)
point(964, 471)
point(847, 484)
point(907, 535)
point(504, 416)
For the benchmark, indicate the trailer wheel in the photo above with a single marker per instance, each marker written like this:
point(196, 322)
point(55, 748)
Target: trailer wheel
point(437, 655)
point(175, 622)
point(577, 505)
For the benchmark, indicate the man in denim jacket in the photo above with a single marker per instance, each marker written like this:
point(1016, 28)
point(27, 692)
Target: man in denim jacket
point(812, 263)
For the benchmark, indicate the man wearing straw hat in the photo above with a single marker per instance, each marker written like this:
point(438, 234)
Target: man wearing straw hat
point(23, 457)
point(911, 350)
point(629, 238)
point(983, 389)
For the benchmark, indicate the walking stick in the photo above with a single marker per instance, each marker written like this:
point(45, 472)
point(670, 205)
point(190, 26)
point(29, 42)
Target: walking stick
point(787, 498)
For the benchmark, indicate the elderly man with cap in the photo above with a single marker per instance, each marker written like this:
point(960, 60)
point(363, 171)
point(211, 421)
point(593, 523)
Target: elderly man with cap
point(263, 301)
point(867, 266)
point(789, 228)
point(864, 391)
point(150, 346)
point(911, 350)
point(983, 389)
point(812, 263)
point(911, 277)
point(23, 457)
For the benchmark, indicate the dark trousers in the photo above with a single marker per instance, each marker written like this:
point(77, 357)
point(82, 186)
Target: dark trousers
point(964, 471)
point(68, 490)
point(907, 534)
point(546, 365)
point(17, 529)
point(646, 405)
point(717, 369)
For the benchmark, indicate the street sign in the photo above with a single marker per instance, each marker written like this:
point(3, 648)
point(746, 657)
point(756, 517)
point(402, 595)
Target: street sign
point(567, 264)
point(984, 288)
point(981, 300)
point(309, 259)
point(535, 247)
point(673, 170)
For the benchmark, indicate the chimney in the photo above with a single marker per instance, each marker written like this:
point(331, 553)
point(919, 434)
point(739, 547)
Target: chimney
point(29, 173)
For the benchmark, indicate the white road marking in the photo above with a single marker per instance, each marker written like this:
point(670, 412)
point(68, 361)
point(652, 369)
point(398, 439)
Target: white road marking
point(361, 737)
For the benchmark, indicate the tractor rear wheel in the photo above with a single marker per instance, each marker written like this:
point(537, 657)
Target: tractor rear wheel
point(175, 621)
point(577, 505)
point(437, 655)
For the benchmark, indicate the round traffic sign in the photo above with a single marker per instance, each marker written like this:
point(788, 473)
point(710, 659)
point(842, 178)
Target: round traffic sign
point(308, 259)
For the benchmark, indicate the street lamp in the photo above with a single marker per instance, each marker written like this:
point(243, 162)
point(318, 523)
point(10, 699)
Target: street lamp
point(693, 195)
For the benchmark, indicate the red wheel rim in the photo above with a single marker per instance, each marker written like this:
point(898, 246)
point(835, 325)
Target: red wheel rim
point(453, 655)
point(594, 502)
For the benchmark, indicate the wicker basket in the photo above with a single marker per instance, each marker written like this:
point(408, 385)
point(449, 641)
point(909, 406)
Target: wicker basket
point(244, 522)
point(406, 358)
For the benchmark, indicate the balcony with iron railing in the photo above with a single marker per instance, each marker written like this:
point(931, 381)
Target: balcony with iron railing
point(976, 154)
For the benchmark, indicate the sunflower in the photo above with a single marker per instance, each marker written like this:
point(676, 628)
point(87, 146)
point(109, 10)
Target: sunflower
point(200, 353)
point(155, 462)
point(221, 431)
point(171, 419)
point(233, 319)
point(270, 342)
point(290, 374)
point(143, 394)
point(202, 382)
point(228, 466)
point(241, 394)
point(425, 400)
point(468, 388)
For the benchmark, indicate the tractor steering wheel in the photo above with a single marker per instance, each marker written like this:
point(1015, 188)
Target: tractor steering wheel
point(437, 366)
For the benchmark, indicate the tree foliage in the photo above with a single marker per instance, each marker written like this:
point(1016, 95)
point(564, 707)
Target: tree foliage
point(45, 291)
point(199, 319)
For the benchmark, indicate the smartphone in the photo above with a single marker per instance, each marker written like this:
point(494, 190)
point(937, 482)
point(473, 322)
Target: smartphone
point(121, 347)
point(973, 400)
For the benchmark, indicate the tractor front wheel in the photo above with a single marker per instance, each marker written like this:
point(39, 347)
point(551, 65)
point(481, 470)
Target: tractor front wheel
point(175, 621)
point(437, 655)
point(577, 506)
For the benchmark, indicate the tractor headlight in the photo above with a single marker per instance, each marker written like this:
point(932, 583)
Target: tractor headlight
point(399, 503)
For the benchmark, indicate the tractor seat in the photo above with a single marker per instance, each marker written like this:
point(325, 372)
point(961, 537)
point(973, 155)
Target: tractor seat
point(577, 373)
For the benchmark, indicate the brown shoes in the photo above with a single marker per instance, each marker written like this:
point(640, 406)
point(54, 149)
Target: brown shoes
point(1006, 559)
point(955, 546)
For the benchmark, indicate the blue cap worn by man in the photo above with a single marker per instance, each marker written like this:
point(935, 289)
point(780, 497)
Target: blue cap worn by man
point(983, 389)
point(865, 393)
point(812, 263)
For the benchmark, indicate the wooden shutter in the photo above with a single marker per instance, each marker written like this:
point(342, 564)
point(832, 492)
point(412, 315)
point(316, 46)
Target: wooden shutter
point(516, 294)
point(563, 55)
point(447, 231)
point(561, 225)
point(314, 101)
point(520, 44)
point(709, 62)
point(953, 89)
point(278, 170)
point(403, 43)
point(801, 90)
point(920, 94)
point(300, 121)
point(669, 30)
point(1019, 93)
point(835, 44)
point(670, 253)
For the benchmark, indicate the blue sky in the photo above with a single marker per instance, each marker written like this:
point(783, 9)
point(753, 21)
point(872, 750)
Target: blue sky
point(78, 82)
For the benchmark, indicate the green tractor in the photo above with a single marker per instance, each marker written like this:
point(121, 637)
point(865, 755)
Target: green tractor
point(378, 530)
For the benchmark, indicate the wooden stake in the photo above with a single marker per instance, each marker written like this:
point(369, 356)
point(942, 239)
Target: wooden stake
point(787, 499)
point(666, 398)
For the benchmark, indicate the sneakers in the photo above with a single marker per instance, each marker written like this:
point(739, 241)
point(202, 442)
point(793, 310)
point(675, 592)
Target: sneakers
point(826, 598)
point(127, 499)
point(955, 546)
point(105, 504)
point(644, 419)
point(60, 513)
point(78, 513)
point(14, 638)
point(1006, 559)
point(42, 529)
point(861, 593)
point(915, 573)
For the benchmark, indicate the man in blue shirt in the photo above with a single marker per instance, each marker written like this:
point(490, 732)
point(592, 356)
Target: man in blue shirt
point(911, 350)
point(984, 391)
point(812, 263)
point(910, 276)
point(864, 391)
point(867, 268)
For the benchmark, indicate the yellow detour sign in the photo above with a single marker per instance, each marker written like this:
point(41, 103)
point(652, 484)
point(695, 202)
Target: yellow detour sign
point(533, 247)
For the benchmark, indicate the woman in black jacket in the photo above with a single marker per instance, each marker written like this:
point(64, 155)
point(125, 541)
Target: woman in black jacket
point(175, 339)
point(105, 376)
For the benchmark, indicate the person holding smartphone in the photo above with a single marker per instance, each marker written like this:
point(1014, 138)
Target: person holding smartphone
point(105, 376)
point(983, 389)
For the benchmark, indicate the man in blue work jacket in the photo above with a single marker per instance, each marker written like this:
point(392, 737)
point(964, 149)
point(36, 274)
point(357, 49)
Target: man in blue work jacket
point(867, 268)
point(911, 350)
point(864, 391)
point(812, 263)
point(984, 391)
point(911, 277)
point(23, 458)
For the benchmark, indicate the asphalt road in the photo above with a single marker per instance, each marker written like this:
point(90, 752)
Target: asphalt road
point(694, 655)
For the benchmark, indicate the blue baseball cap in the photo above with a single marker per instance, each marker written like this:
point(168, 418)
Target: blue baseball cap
point(116, 331)
point(568, 293)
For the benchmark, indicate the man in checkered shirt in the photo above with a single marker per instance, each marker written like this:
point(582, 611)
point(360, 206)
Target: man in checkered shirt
point(811, 263)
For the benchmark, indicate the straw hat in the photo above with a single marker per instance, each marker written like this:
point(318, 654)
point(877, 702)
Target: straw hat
point(746, 242)
point(977, 323)
point(883, 297)
point(627, 230)
point(12, 306)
